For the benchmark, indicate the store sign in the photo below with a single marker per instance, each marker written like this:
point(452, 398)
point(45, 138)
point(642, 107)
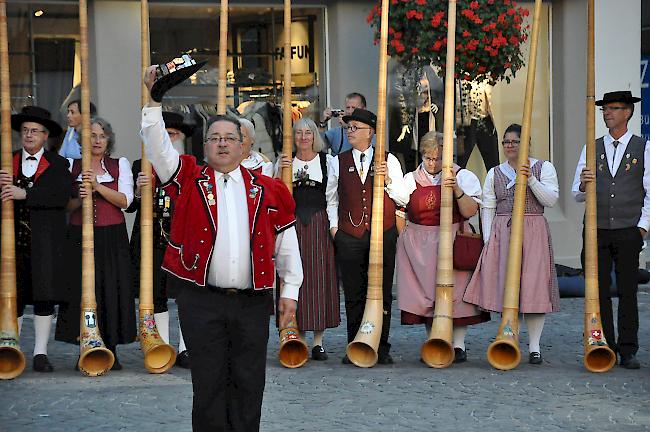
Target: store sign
point(645, 97)
point(300, 48)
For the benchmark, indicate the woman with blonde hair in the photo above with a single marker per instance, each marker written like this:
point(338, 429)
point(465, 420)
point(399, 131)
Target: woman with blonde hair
point(318, 302)
point(417, 246)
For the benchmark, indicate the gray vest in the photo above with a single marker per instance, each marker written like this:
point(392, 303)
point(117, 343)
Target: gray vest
point(620, 197)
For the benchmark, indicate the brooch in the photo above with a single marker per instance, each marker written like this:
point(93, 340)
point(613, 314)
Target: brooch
point(602, 156)
point(351, 169)
point(252, 192)
point(634, 160)
point(627, 167)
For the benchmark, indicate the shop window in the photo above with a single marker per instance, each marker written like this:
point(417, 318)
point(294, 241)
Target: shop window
point(255, 53)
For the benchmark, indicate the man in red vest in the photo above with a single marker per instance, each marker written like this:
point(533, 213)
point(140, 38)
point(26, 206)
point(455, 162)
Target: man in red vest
point(231, 230)
point(349, 209)
point(40, 188)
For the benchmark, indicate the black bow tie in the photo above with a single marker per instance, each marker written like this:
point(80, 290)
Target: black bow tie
point(31, 158)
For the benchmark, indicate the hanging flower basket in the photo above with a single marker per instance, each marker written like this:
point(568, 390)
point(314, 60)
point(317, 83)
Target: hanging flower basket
point(489, 36)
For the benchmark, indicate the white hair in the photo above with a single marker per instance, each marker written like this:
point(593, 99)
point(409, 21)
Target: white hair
point(250, 127)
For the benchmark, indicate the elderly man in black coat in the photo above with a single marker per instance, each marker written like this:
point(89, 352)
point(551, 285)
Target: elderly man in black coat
point(40, 188)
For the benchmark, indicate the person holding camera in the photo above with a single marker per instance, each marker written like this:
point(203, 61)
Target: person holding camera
point(335, 138)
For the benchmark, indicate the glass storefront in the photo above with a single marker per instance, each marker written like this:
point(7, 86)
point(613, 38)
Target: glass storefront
point(43, 47)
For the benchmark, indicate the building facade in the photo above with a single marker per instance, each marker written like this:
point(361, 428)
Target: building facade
point(332, 54)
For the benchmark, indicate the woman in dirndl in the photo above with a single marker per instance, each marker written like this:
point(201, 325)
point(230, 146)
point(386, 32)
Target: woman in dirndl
point(112, 191)
point(417, 246)
point(539, 291)
point(318, 301)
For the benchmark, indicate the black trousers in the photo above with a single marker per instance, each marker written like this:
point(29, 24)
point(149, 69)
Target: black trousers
point(352, 256)
point(620, 247)
point(227, 336)
point(484, 134)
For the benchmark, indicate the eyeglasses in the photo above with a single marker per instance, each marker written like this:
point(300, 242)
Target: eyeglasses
point(26, 131)
point(612, 108)
point(430, 159)
point(353, 128)
point(511, 143)
point(216, 139)
point(98, 137)
point(304, 133)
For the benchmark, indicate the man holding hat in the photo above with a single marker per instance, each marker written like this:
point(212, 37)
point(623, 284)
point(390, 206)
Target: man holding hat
point(349, 209)
point(623, 206)
point(163, 287)
point(40, 189)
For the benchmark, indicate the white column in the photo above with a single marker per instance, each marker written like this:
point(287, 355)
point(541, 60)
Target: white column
point(115, 47)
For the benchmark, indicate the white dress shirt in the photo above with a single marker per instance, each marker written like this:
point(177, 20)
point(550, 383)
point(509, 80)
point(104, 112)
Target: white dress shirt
point(29, 167)
point(546, 190)
point(124, 181)
point(466, 180)
point(395, 189)
point(614, 162)
point(233, 232)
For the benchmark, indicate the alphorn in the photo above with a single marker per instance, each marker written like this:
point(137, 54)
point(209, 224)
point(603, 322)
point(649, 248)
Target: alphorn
point(599, 357)
point(223, 57)
point(504, 353)
point(12, 359)
point(293, 351)
point(159, 356)
point(362, 351)
point(94, 358)
point(438, 350)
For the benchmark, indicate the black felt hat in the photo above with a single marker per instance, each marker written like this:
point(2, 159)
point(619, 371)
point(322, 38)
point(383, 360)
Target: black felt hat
point(618, 96)
point(173, 73)
point(36, 115)
point(363, 116)
point(175, 121)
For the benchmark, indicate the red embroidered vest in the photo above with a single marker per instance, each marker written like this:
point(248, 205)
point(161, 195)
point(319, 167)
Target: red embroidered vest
point(424, 206)
point(355, 199)
point(105, 213)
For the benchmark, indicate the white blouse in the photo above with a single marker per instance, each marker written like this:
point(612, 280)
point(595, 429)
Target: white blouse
point(310, 169)
point(124, 182)
point(546, 190)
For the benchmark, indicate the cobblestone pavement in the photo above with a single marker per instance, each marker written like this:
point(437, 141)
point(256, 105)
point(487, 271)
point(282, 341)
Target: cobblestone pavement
point(556, 396)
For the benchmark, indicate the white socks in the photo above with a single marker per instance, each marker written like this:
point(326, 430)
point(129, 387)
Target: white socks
point(162, 323)
point(20, 325)
point(318, 337)
point(535, 325)
point(42, 326)
point(181, 341)
point(459, 337)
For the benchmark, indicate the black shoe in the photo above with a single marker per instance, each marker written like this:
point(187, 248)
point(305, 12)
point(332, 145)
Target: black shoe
point(535, 358)
point(116, 365)
point(318, 353)
point(460, 355)
point(385, 359)
point(42, 364)
point(346, 360)
point(183, 359)
point(630, 362)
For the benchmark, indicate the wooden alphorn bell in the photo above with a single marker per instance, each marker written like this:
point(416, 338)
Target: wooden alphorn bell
point(94, 358)
point(363, 350)
point(12, 359)
point(599, 357)
point(159, 356)
point(293, 351)
point(504, 353)
point(438, 350)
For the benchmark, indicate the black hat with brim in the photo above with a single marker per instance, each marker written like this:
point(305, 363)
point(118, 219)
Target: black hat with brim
point(167, 79)
point(36, 115)
point(363, 116)
point(175, 121)
point(618, 96)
